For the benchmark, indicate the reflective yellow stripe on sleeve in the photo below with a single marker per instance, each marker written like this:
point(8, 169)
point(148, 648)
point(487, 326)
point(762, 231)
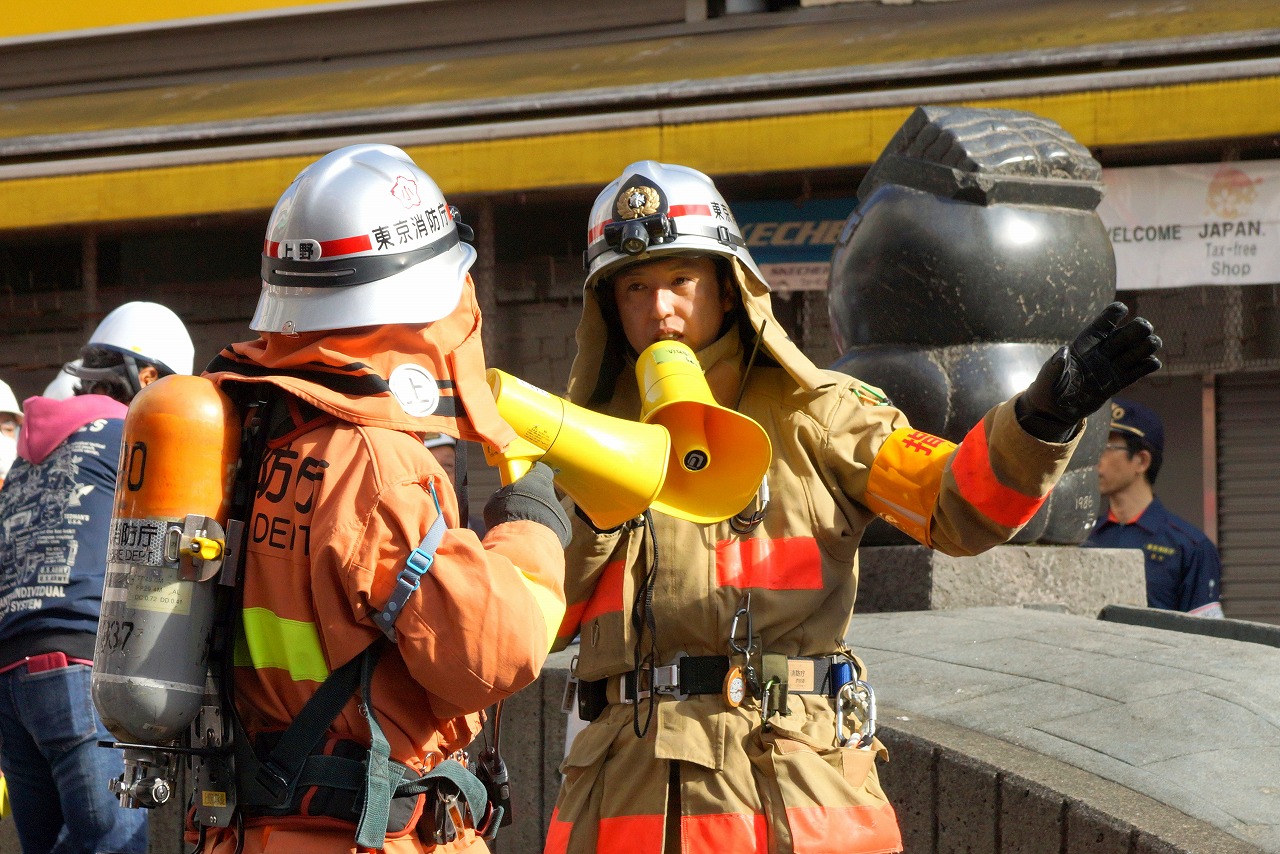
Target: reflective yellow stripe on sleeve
point(548, 603)
point(272, 641)
point(906, 477)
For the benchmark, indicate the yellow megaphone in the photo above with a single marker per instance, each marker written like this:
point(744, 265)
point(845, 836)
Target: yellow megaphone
point(612, 468)
point(718, 456)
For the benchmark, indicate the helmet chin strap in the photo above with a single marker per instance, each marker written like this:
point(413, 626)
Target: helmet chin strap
point(131, 373)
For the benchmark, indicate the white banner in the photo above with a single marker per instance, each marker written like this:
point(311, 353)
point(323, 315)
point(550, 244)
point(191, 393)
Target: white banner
point(1194, 224)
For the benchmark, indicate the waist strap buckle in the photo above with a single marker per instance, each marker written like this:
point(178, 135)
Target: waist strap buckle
point(665, 680)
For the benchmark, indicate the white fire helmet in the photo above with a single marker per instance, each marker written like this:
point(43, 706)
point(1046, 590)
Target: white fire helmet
point(63, 385)
point(150, 332)
point(9, 402)
point(362, 237)
point(657, 209)
point(145, 332)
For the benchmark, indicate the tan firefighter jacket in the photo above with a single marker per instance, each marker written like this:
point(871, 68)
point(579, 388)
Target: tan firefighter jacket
point(841, 455)
point(344, 496)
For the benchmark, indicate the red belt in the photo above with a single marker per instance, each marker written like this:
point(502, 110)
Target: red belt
point(47, 661)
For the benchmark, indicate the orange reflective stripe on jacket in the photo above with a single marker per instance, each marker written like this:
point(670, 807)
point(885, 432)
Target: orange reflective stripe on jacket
point(978, 484)
point(786, 563)
point(736, 832)
point(605, 598)
point(838, 830)
point(631, 834)
point(557, 834)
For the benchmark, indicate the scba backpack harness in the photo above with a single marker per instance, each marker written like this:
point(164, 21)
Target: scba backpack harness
point(304, 769)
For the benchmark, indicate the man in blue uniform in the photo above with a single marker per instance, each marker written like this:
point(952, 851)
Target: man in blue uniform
point(1183, 572)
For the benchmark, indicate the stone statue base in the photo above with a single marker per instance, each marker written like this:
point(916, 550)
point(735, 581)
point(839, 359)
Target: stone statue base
point(913, 578)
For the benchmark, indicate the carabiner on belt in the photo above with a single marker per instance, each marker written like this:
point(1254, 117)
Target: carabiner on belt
point(856, 697)
point(746, 649)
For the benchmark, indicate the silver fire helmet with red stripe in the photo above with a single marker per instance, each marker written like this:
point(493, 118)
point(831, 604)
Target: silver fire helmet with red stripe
point(362, 237)
point(657, 209)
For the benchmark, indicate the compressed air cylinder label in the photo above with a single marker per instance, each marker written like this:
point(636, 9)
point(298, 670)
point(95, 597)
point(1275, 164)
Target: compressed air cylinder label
point(165, 595)
point(137, 541)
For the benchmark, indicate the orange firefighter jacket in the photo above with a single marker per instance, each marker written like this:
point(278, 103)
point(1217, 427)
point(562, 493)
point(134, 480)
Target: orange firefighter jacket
point(342, 499)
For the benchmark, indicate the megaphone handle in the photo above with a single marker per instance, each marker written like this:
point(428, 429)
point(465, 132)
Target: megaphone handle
point(513, 470)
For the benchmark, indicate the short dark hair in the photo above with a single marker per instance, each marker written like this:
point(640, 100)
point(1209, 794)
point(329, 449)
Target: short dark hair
point(114, 385)
point(1135, 444)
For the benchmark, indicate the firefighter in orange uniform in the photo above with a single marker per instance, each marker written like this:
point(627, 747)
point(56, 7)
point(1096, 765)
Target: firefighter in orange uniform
point(356, 563)
point(727, 713)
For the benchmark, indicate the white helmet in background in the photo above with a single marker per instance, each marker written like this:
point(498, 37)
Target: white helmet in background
point(657, 209)
point(63, 385)
point(145, 332)
point(362, 237)
point(8, 402)
point(150, 332)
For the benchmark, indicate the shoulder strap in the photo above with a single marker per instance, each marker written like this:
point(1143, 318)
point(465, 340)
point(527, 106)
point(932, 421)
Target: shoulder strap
point(416, 565)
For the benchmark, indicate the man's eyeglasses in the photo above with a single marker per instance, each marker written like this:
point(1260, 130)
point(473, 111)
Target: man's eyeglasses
point(1115, 446)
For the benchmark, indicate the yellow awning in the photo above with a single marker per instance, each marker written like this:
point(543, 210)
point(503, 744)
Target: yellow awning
point(812, 96)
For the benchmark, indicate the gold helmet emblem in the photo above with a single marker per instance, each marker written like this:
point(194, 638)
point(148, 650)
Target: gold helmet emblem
point(638, 201)
point(1117, 411)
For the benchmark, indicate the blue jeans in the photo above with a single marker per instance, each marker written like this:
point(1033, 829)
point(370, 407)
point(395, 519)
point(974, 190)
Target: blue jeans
point(57, 773)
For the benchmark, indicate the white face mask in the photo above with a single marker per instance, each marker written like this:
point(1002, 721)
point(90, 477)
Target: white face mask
point(8, 453)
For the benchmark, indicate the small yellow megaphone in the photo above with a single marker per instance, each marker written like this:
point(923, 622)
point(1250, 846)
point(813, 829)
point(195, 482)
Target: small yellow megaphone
point(718, 456)
point(612, 468)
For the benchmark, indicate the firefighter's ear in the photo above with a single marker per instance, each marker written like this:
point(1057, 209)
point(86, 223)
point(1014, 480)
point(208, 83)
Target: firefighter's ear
point(147, 374)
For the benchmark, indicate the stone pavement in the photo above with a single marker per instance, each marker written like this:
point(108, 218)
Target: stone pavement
point(1187, 720)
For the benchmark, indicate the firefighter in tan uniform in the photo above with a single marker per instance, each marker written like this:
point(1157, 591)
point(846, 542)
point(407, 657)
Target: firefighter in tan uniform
point(727, 714)
point(370, 339)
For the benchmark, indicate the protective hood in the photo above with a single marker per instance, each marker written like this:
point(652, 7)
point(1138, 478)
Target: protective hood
point(416, 378)
point(602, 345)
point(50, 421)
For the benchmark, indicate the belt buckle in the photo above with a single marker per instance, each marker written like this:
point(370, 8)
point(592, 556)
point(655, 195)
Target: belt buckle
point(627, 688)
point(666, 679)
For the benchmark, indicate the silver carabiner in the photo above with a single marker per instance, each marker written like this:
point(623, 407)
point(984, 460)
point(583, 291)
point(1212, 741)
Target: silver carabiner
point(856, 696)
point(744, 610)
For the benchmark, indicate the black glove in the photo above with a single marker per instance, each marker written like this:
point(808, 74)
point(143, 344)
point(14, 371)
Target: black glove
point(531, 497)
point(1105, 358)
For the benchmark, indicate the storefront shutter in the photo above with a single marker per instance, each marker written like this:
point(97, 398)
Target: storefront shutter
point(1248, 414)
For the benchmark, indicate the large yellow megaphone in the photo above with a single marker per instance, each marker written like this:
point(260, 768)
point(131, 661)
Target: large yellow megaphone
point(612, 468)
point(718, 456)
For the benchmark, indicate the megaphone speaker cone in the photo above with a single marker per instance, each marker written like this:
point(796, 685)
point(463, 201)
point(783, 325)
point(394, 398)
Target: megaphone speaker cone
point(718, 456)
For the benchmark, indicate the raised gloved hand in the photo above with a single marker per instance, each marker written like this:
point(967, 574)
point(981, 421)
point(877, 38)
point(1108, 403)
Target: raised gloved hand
point(1105, 357)
point(531, 497)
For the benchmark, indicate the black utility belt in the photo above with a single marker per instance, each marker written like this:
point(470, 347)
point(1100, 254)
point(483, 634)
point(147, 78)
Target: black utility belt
point(697, 675)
